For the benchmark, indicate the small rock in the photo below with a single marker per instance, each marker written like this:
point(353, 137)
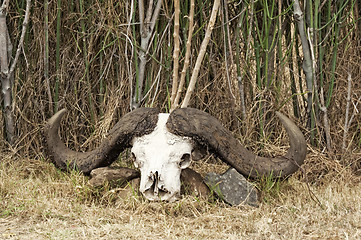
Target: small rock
point(233, 188)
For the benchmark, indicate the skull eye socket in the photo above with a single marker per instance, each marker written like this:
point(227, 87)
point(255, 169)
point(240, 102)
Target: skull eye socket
point(185, 161)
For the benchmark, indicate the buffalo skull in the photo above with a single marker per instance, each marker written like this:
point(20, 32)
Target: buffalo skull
point(162, 145)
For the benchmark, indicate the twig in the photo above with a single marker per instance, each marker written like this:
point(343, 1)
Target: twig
point(201, 54)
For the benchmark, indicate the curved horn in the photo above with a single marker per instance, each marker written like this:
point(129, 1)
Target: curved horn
point(206, 130)
point(137, 123)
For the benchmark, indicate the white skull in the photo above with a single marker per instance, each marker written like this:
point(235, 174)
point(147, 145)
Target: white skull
point(161, 156)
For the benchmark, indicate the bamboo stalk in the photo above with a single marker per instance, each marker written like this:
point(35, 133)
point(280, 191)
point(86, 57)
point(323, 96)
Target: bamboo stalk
point(57, 54)
point(228, 54)
point(323, 107)
point(280, 65)
point(227, 41)
point(201, 54)
point(146, 33)
point(5, 82)
point(46, 54)
point(6, 73)
point(348, 119)
point(22, 36)
point(129, 62)
point(289, 41)
point(175, 51)
point(348, 102)
point(187, 56)
point(307, 63)
point(240, 76)
point(86, 51)
point(141, 16)
point(333, 64)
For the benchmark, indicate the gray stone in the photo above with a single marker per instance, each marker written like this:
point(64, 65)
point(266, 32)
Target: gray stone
point(233, 188)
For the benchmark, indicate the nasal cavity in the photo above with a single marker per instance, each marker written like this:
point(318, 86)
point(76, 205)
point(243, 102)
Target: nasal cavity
point(157, 188)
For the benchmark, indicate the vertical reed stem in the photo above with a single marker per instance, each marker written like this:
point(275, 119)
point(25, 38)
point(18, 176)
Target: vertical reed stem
point(46, 55)
point(175, 51)
point(57, 54)
point(201, 54)
point(187, 56)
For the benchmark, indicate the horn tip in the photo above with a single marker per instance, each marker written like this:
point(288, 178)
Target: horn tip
point(280, 115)
point(57, 116)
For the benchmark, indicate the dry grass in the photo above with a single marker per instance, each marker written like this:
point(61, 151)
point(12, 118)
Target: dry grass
point(39, 202)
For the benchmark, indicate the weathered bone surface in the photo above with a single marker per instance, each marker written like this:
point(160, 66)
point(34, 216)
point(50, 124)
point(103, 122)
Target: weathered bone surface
point(161, 156)
point(208, 131)
point(163, 143)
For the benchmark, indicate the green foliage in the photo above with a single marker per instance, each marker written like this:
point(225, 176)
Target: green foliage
point(269, 187)
point(87, 60)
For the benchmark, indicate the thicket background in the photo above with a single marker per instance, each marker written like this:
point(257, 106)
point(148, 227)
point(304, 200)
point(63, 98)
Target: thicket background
point(84, 56)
